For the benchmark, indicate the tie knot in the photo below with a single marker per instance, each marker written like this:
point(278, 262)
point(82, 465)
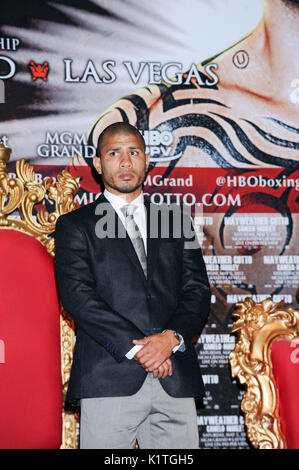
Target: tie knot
point(128, 210)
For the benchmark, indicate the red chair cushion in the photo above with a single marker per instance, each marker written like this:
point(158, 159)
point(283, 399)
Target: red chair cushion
point(285, 362)
point(30, 373)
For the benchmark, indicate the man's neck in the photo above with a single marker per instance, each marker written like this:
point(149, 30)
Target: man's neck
point(126, 197)
point(278, 37)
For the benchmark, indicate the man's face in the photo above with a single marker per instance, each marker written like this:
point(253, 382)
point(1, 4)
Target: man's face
point(123, 163)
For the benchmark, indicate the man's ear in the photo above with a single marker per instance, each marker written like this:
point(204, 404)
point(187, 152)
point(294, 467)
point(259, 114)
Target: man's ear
point(147, 161)
point(97, 164)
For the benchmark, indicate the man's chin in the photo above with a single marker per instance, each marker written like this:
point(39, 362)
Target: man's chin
point(125, 188)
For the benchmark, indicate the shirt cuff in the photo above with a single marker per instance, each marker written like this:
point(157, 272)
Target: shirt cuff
point(130, 354)
point(181, 346)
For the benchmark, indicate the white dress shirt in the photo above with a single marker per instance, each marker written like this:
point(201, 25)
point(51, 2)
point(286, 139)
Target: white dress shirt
point(117, 203)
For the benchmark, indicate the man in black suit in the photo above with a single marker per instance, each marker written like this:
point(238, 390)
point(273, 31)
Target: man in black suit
point(138, 297)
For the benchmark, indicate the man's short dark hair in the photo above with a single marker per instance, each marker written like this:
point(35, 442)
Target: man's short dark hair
point(119, 128)
point(292, 3)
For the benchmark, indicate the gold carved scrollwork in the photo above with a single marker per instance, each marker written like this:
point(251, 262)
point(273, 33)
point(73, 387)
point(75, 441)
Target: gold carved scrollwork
point(21, 194)
point(257, 327)
point(11, 190)
point(70, 418)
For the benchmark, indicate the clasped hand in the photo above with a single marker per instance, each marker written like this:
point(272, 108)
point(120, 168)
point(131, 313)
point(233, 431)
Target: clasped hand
point(155, 353)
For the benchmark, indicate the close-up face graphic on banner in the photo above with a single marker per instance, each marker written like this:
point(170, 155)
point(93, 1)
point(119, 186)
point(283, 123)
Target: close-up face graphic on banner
point(213, 87)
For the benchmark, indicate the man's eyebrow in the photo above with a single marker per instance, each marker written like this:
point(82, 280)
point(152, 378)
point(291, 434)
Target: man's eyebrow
point(113, 148)
point(131, 147)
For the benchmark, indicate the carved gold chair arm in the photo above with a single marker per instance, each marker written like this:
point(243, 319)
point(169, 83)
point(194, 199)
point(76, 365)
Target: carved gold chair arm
point(257, 327)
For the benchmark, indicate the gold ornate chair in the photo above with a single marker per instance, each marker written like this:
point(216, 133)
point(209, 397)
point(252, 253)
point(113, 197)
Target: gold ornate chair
point(36, 335)
point(266, 360)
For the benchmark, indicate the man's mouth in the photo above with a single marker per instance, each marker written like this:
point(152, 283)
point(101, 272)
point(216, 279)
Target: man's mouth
point(126, 176)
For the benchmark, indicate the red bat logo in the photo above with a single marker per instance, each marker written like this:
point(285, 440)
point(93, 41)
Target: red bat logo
point(38, 70)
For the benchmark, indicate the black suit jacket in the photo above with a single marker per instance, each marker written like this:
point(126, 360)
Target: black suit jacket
point(103, 288)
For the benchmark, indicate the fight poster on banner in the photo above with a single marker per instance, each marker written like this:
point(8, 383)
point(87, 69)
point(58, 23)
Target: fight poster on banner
point(214, 89)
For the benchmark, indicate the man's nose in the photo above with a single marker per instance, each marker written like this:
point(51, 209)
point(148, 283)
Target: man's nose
point(126, 160)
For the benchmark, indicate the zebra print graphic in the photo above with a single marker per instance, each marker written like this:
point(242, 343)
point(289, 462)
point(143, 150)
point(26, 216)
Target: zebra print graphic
point(201, 123)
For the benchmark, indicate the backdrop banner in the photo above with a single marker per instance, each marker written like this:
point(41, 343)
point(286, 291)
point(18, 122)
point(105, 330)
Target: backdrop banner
point(213, 86)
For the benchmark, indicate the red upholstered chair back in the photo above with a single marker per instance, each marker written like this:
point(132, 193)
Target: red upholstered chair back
point(30, 362)
point(266, 360)
point(36, 335)
point(285, 362)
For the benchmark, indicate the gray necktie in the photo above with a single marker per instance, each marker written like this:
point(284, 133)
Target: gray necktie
point(134, 234)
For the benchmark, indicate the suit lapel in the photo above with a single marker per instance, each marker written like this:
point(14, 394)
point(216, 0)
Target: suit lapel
point(152, 243)
point(125, 244)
